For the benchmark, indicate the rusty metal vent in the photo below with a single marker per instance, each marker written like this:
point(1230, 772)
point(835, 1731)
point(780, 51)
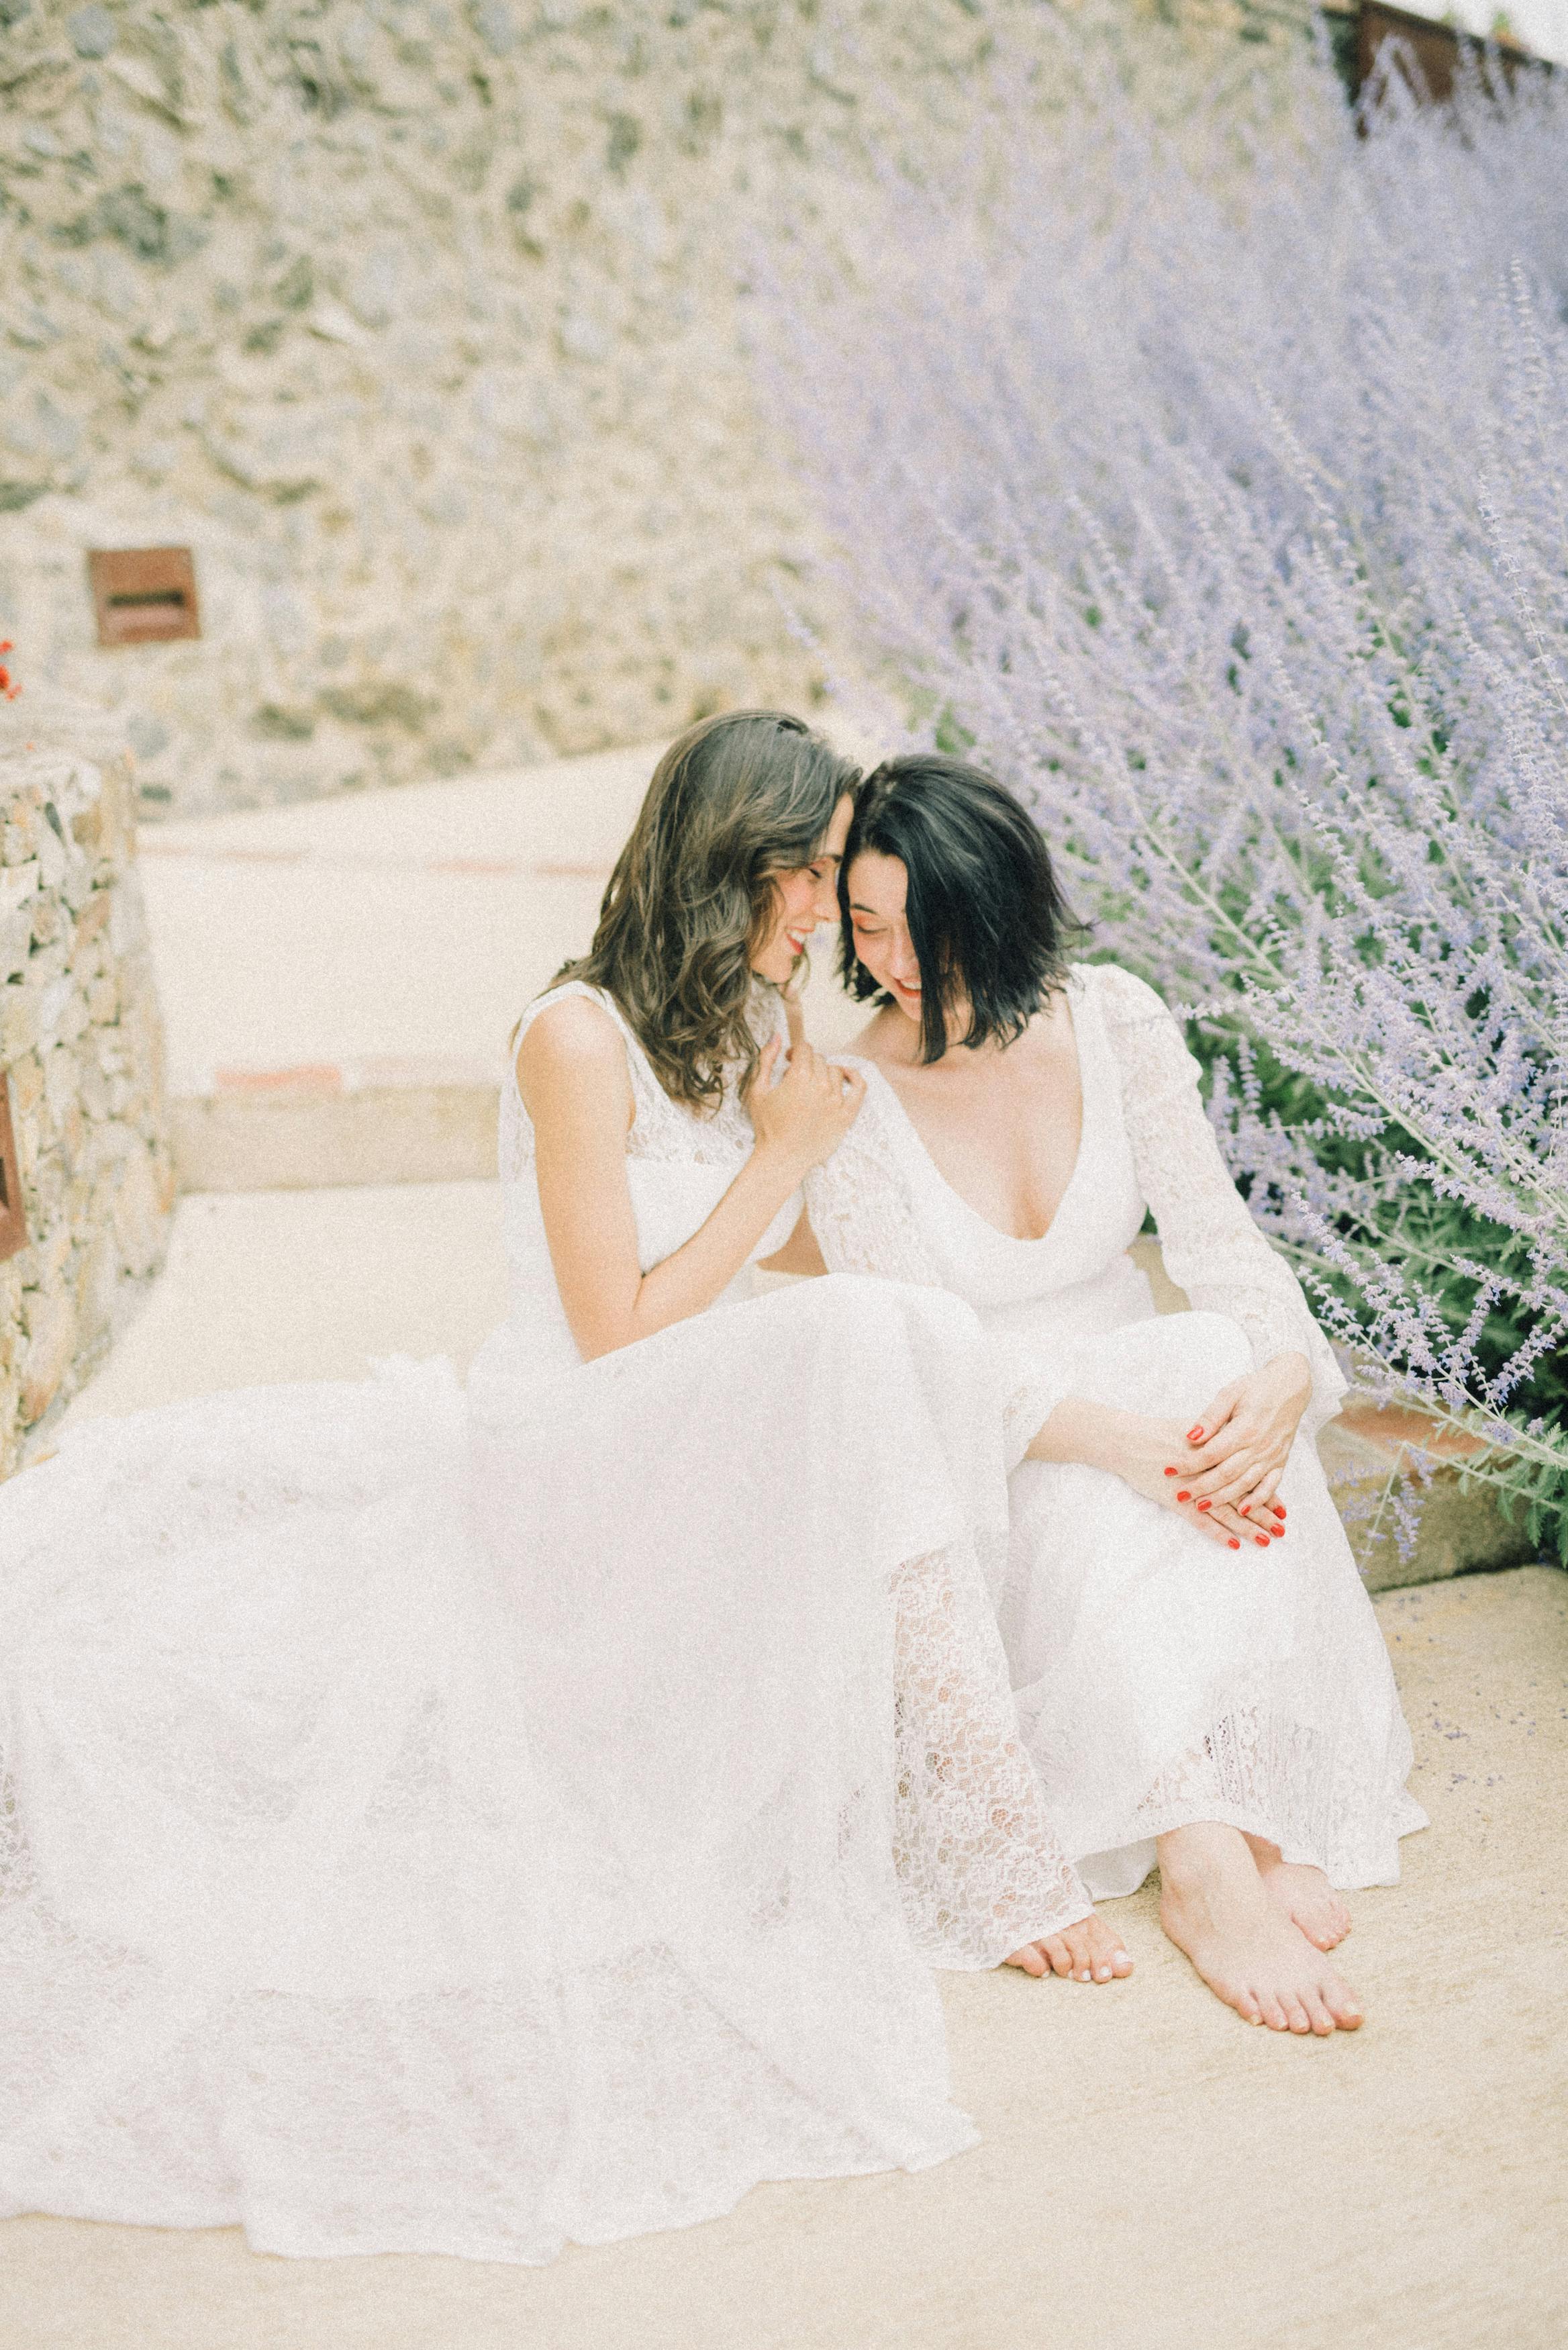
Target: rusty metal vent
point(143, 594)
point(13, 1222)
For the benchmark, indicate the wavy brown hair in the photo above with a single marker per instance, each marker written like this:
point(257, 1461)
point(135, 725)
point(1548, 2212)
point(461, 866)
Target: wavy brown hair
point(734, 800)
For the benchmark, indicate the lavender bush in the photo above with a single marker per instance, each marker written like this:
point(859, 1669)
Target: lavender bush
point(1207, 477)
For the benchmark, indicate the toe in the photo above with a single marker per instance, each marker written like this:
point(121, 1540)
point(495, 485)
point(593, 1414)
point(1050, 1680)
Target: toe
point(1028, 1959)
point(1121, 1964)
point(1297, 2015)
point(1342, 2004)
point(1057, 1953)
point(1272, 2012)
point(1318, 2016)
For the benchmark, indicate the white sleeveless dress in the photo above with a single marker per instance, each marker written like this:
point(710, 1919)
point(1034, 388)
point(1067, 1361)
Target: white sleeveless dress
point(1160, 1680)
point(468, 1823)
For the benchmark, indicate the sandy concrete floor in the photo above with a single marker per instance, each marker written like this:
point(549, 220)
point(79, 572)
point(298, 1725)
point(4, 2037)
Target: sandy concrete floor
point(1153, 2173)
point(1153, 2176)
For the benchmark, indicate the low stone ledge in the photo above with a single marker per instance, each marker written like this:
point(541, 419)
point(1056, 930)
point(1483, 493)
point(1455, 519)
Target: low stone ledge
point(308, 1128)
point(81, 1058)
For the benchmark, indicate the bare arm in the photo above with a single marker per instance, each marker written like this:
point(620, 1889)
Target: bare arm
point(572, 1073)
point(800, 1253)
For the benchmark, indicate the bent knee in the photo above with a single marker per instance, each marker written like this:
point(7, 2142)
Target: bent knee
point(1220, 1347)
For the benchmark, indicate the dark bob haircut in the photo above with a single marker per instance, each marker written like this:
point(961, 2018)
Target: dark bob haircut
point(985, 914)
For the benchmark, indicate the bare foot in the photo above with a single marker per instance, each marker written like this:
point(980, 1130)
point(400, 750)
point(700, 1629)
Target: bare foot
point(1089, 1952)
point(1305, 1894)
point(1214, 1906)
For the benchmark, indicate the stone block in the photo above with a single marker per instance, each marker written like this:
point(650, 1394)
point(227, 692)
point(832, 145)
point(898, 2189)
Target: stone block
point(139, 1221)
point(51, 1326)
point(86, 1096)
point(303, 1138)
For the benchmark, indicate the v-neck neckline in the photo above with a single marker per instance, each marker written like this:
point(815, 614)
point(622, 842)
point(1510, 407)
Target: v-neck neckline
point(1012, 1239)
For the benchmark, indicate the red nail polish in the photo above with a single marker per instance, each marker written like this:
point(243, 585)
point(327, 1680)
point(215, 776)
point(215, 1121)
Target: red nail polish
point(1205, 1503)
point(1195, 1436)
point(1184, 1497)
point(1279, 1509)
point(1170, 1473)
point(1234, 1543)
point(1243, 1507)
point(1262, 1541)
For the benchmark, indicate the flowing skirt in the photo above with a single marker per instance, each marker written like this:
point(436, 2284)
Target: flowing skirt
point(469, 1823)
point(1162, 1678)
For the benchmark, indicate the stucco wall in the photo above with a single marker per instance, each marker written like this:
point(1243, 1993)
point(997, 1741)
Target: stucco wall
point(419, 323)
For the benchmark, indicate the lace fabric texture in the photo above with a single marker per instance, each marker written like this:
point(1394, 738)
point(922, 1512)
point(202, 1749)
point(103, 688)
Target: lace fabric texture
point(476, 1820)
point(1159, 1680)
point(1211, 1246)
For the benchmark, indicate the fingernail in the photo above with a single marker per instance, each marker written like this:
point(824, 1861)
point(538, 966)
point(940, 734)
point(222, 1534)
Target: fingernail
point(1234, 1543)
point(1170, 1473)
point(1262, 1541)
point(1195, 1436)
point(1206, 1503)
point(1243, 1507)
point(1184, 1497)
point(1279, 1509)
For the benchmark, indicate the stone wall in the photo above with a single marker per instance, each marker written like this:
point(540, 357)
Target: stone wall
point(81, 1055)
point(423, 324)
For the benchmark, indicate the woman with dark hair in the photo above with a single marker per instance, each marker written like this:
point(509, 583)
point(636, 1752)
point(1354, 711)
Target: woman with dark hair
point(1199, 1673)
point(467, 1823)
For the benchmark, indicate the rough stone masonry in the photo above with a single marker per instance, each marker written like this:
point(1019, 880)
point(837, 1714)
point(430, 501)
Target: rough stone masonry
point(424, 326)
point(81, 1054)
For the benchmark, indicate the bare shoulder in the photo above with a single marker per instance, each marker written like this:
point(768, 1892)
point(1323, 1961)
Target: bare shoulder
point(569, 1045)
point(875, 1041)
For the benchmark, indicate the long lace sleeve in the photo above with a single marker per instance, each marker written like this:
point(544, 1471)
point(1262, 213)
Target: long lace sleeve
point(863, 1214)
point(979, 1867)
point(1211, 1247)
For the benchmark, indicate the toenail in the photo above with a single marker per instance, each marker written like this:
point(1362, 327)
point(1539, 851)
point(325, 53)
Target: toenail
point(1084, 1974)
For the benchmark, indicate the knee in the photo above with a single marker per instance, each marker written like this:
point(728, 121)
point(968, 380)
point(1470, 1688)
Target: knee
point(1219, 1348)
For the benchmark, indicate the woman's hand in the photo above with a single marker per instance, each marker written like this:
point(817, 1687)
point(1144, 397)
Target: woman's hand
point(1234, 1454)
point(1146, 1455)
point(803, 1119)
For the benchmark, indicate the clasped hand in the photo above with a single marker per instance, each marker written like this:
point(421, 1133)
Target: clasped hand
point(1228, 1465)
point(805, 1118)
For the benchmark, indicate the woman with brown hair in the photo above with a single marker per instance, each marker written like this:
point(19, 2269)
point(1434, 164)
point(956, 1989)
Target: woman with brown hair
point(470, 1822)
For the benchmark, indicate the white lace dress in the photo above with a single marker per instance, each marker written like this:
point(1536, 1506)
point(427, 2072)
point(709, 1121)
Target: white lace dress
point(1161, 1678)
point(468, 1823)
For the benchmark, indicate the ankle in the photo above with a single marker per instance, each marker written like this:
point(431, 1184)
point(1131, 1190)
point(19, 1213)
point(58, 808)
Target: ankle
point(1197, 1857)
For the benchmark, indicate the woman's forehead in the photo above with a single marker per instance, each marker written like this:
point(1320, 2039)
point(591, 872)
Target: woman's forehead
point(877, 883)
